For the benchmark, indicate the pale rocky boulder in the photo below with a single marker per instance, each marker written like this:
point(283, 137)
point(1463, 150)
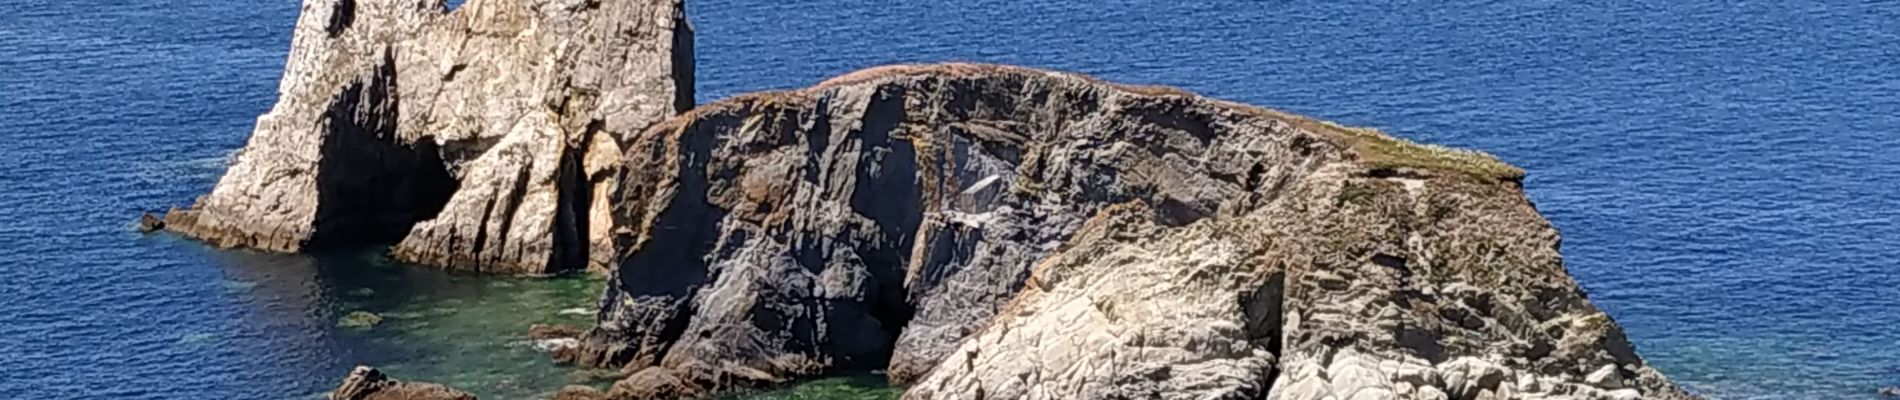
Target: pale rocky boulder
point(512, 195)
point(391, 110)
point(1414, 284)
point(1362, 284)
point(325, 166)
point(1129, 309)
point(606, 71)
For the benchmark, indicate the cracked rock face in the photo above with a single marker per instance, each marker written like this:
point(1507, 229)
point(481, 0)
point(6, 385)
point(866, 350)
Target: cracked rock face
point(1346, 286)
point(999, 232)
point(1129, 309)
point(486, 139)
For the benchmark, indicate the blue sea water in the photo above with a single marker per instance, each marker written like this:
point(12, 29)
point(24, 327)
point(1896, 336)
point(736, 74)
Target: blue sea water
point(1726, 173)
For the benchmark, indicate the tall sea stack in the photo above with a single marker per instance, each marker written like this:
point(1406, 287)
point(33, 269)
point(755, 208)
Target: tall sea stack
point(488, 138)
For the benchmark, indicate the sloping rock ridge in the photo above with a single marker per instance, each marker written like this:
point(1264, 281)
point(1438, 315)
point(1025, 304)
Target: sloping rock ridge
point(992, 232)
point(485, 139)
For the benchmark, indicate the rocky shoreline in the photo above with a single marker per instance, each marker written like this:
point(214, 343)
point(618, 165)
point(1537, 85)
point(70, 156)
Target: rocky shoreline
point(976, 231)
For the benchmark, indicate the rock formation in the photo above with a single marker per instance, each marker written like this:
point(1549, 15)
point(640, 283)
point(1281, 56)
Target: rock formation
point(486, 139)
point(977, 231)
point(366, 383)
point(999, 232)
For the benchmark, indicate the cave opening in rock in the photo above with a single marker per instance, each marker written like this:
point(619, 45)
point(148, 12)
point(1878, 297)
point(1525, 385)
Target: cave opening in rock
point(892, 197)
point(571, 222)
point(372, 187)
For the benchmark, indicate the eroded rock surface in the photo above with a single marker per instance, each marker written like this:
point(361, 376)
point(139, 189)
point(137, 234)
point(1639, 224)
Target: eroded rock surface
point(1360, 286)
point(1189, 248)
point(1130, 309)
point(366, 383)
point(484, 139)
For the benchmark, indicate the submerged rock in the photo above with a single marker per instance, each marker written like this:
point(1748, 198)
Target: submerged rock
point(1000, 232)
point(580, 392)
point(366, 383)
point(359, 320)
point(484, 139)
point(562, 341)
point(546, 331)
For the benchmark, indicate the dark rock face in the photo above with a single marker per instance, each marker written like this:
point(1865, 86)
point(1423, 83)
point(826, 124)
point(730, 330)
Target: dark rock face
point(915, 218)
point(150, 223)
point(485, 139)
point(366, 383)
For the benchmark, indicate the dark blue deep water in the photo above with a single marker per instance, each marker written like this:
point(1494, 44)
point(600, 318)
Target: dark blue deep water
point(1726, 173)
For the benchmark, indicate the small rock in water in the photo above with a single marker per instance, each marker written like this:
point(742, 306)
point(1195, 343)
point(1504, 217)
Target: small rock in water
point(359, 320)
point(366, 383)
point(1890, 392)
point(149, 223)
point(555, 345)
point(545, 331)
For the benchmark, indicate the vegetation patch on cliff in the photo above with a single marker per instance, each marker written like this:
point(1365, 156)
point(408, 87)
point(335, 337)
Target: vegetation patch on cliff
point(1376, 149)
point(1381, 151)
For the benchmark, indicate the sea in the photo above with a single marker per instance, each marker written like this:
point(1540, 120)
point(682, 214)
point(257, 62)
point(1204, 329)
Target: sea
point(1726, 174)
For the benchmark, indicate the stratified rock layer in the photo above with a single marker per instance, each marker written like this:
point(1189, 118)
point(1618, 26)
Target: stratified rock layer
point(1188, 248)
point(366, 383)
point(487, 139)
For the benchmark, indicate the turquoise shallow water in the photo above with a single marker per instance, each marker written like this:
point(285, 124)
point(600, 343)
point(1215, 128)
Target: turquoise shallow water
point(358, 307)
point(1723, 171)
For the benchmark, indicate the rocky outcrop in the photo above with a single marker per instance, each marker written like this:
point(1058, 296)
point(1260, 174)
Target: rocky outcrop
point(561, 341)
point(999, 232)
point(366, 383)
point(1350, 284)
point(484, 139)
